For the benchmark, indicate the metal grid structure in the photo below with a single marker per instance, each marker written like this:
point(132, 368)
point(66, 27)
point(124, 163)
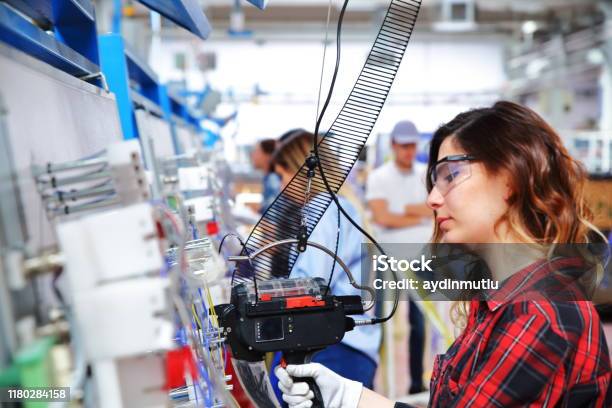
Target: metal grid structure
point(338, 150)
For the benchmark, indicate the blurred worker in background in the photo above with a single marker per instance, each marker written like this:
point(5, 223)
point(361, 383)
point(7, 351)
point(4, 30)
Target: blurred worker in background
point(289, 133)
point(396, 192)
point(356, 357)
point(396, 195)
point(261, 158)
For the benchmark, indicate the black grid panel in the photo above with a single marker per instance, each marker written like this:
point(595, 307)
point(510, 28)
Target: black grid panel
point(339, 149)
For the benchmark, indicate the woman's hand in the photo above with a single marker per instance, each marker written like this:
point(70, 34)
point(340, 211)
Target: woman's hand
point(337, 392)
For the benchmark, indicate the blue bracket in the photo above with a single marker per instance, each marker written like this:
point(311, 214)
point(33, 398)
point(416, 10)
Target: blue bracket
point(221, 122)
point(142, 78)
point(18, 32)
point(199, 95)
point(210, 138)
point(186, 13)
point(181, 109)
point(72, 21)
point(177, 107)
point(260, 4)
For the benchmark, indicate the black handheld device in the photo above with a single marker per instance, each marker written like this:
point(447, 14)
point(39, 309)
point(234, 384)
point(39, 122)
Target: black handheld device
point(297, 317)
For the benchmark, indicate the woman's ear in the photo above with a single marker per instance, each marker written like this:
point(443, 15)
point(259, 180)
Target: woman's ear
point(509, 191)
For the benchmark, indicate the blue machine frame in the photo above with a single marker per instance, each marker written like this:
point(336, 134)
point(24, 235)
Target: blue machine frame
point(63, 34)
point(73, 46)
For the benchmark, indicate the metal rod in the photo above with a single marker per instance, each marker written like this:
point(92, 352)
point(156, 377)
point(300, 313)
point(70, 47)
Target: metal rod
point(178, 157)
point(72, 209)
point(199, 243)
point(50, 168)
point(55, 182)
point(61, 196)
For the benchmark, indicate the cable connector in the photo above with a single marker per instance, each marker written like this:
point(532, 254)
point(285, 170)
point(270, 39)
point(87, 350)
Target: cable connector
point(311, 163)
point(302, 238)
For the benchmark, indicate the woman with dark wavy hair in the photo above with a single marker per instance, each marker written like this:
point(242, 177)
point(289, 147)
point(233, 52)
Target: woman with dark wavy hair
point(501, 175)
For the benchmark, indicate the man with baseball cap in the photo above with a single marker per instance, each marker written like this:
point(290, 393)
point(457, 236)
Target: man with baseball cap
point(396, 196)
point(396, 192)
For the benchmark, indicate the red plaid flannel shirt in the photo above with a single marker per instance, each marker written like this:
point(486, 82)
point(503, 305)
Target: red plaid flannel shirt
point(521, 352)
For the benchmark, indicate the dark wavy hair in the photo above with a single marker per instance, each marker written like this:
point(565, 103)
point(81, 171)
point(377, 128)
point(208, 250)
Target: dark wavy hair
point(547, 204)
point(268, 146)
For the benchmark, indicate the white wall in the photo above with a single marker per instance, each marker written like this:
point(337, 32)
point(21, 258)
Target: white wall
point(437, 80)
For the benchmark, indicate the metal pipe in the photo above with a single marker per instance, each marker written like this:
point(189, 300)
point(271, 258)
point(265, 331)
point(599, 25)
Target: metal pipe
point(63, 196)
point(178, 157)
point(50, 168)
point(72, 209)
point(55, 182)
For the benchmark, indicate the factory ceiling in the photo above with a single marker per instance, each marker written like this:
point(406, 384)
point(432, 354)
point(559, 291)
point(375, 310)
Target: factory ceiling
point(484, 16)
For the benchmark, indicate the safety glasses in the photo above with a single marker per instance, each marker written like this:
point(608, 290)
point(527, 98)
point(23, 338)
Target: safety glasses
point(450, 171)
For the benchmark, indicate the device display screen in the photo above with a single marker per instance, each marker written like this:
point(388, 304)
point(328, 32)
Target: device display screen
point(269, 329)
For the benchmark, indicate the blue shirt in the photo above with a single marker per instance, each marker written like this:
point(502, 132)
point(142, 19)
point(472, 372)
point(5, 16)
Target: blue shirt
point(316, 263)
point(271, 188)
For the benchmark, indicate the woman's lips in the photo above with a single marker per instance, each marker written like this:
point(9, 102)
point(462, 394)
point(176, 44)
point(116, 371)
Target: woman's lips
point(442, 220)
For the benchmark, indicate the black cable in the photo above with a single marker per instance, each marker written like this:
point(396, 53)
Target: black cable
point(231, 234)
point(316, 132)
point(326, 183)
point(331, 274)
point(333, 81)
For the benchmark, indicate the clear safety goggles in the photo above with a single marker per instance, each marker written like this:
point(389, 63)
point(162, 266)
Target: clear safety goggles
point(451, 171)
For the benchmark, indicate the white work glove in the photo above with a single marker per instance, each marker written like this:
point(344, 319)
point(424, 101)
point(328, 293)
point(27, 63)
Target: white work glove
point(337, 391)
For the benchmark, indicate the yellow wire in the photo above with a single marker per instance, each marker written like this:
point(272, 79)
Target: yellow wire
point(196, 317)
point(213, 318)
point(213, 313)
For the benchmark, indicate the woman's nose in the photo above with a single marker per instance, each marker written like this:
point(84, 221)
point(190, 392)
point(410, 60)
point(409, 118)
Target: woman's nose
point(435, 199)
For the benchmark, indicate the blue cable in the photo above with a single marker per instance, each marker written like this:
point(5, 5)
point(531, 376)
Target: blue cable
point(194, 231)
